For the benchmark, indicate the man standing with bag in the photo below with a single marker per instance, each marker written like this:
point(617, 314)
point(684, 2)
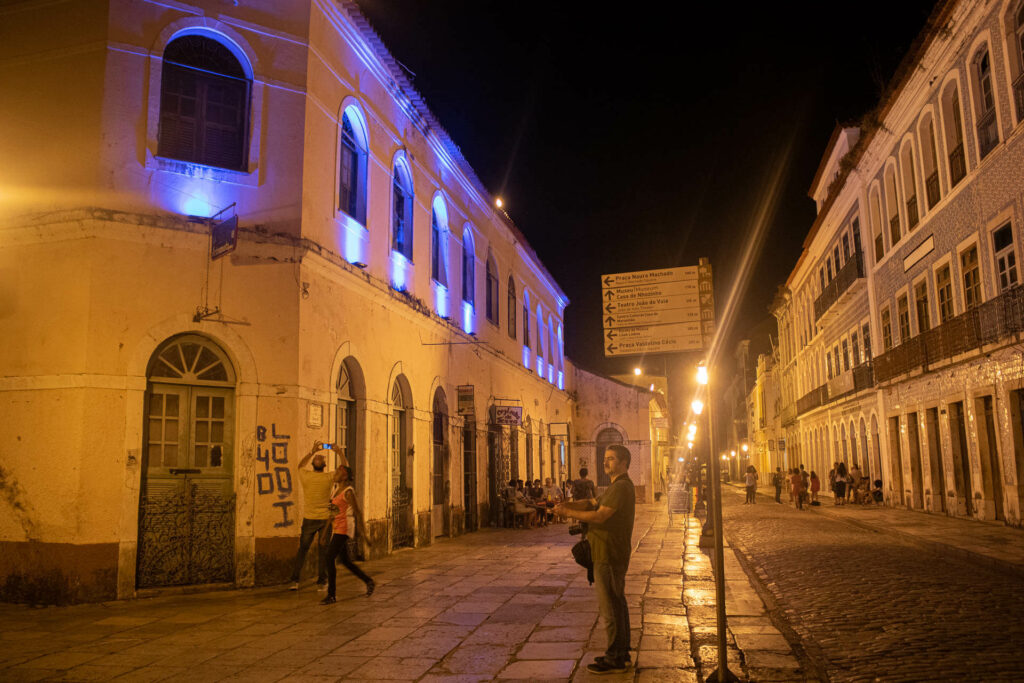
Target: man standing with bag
point(610, 518)
point(316, 513)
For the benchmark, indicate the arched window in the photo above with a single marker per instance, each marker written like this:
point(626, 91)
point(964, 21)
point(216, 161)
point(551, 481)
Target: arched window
point(1017, 51)
point(204, 104)
point(880, 246)
point(929, 160)
point(401, 210)
point(349, 389)
point(512, 306)
point(893, 206)
point(352, 172)
point(468, 267)
point(540, 340)
point(605, 438)
point(985, 102)
point(438, 245)
point(909, 184)
point(526, 319)
point(952, 124)
point(491, 308)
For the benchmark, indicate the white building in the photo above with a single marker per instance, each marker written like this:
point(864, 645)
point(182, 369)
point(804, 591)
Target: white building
point(155, 402)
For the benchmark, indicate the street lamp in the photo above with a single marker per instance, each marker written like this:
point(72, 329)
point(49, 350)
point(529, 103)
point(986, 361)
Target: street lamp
point(697, 406)
point(638, 371)
point(499, 202)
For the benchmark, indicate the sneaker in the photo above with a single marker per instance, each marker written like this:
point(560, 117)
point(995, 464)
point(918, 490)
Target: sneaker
point(370, 585)
point(605, 667)
point(329, 600)
point(294, 586)
point(601, 659)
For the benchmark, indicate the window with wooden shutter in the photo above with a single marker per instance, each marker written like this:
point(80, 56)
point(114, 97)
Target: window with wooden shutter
point(204, 104)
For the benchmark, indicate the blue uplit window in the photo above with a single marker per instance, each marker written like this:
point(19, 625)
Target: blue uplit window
point(204, 104)
point(468, 268)
point(401, 213)
point(511, 307)
point(492, 290)
point(352, 173)
point(438, 267)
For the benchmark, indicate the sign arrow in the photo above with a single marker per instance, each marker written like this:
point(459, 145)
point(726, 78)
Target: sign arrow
point(608, 281)
point(612, 335)
point(611, 348)
point(609, 295)
point(609, 320)
point(609, 308)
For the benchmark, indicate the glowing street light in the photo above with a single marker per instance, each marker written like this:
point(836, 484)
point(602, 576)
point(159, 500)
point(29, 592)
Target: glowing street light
point(745, 447)
point(499, 202)
point(702, 374)
point(638, 371)
point(697, 406)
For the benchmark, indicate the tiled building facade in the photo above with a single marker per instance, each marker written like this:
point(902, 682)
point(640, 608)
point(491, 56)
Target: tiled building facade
point(899, 324)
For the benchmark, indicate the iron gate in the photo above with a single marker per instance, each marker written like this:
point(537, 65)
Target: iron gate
point(186, 537)
point(401, 517)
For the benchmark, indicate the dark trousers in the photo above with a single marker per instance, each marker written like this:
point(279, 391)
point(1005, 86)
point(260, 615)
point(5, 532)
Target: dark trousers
point(610, 582)
point(778, 494)
point(310, 529)
point(338, 550)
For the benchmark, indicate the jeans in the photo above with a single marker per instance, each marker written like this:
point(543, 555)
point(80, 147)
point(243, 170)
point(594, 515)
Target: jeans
point(610, 582)
point(338, 550)
point(310, 528)
point(752, 494)
point(778, 494)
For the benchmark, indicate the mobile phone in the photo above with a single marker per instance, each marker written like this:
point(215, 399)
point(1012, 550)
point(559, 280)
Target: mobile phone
point(327, 446)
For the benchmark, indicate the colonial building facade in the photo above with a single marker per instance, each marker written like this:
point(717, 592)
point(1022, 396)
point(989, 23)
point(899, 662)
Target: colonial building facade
point(900, 322)
point(155, 401)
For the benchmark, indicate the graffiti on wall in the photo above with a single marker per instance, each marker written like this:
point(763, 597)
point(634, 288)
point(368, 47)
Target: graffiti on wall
point(276, 477)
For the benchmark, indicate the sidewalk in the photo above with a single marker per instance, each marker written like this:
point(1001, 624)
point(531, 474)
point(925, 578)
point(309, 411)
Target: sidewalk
point(496, 604)
point(990, 543)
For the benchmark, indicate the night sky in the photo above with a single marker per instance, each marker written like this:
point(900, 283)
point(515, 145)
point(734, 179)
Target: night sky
point(622, 139)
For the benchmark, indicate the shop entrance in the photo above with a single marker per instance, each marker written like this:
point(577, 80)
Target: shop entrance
point(440, 488)
point(961, 459)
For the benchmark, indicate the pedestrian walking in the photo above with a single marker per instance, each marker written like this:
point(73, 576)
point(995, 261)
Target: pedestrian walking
point(750, 480)
point(610, 519)
point(841, 479)
point(805, 479)
point(796, 484)
point(815, 487)
point(777, 483)
point(348, 520)
point(316, 514)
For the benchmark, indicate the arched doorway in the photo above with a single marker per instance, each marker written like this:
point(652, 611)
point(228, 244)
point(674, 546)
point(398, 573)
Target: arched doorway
point(402, 528)
point(439, 478)
point(605, 438)
point(187, 499)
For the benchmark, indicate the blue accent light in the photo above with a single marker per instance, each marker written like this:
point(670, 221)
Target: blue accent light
point(355, 244)
point(551, 373)
point(526, 357)
point(561, 380)
point(400, 267)
point(195, 206)
point(440, 299)
point(540, 366)
point(468, 317)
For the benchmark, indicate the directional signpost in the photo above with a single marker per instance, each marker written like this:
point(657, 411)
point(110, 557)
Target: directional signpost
point(657, 311)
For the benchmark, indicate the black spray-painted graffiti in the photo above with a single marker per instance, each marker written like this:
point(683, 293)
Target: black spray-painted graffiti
point(279, 479)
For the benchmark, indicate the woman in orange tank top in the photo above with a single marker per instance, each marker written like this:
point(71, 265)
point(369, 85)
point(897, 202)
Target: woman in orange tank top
point(348, 520)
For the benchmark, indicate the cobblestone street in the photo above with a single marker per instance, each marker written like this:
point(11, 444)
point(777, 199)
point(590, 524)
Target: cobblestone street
point(505, 604)
point(872, 604)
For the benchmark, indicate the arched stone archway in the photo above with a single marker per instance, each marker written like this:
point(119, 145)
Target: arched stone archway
point(440, 521)
point(403, 533)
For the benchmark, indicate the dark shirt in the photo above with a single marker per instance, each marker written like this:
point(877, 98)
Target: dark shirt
point(583, 489)
point(611, 541)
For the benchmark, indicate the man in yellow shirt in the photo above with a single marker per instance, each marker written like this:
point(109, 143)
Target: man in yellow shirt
point(316, 513)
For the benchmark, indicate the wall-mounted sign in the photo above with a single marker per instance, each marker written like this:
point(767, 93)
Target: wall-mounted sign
point(223, 237)
point(315, 416)
point(660, 422)
point(507, 415)
point(465, 392)
point(782, 444)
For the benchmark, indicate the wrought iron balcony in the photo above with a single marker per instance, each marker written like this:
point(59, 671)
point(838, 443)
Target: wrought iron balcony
point(957, 167)
point(998, 318)
point(988, 133)
point(931, 184)
point(812, 399)
point(912, 216)
point(863, 376)
point(788, 414)
point(851, 271)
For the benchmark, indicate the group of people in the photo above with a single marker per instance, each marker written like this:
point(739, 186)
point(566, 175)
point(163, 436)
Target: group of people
point(535, 504)
point(846, 485)
point(331, 515)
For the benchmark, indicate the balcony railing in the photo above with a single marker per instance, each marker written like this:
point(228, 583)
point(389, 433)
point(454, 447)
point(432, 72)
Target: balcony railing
point(912, 211)
point(957, 168)
point(894, 229)
point(988, 133)
point(931, 184)
point(788, 414)
point(812, 399)
point(988, 323)
point(847, 275)
point(863, 376)
point(1018, 95)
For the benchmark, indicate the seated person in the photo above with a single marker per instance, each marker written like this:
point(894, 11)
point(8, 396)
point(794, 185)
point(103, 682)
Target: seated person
point(552, 495)
point(519, 506)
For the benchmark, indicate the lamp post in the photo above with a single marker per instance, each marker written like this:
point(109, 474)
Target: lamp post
point(722, 673)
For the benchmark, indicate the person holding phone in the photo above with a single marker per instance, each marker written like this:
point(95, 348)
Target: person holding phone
point(316, 511)
point(348, 520)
